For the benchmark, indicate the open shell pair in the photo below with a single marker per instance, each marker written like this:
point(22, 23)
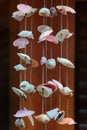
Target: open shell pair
point(64, 9)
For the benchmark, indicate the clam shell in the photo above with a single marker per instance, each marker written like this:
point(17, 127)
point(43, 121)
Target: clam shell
point(44, 91)
point(24, 57)
point(17, 15)
point(68, 121)
point(43, 118)
point(51, 113)
point(44, 12)
point(19, 93)
point(43, 28)
point(43, 35)
point(19, 67)
point(65, 62)
point(21, 43)
point(43, 60)
point(62, 35)
point(25, 33)
point(53, 11)
point(20, 123)
point(51, 63)
point(26, 86)
point(64, 9)
point(59, 116)
point(67, 91)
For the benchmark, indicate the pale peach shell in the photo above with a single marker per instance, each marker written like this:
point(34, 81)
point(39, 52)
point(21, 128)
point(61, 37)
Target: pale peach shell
point(19, 67)
point(64, 9)
point(42, 118)
point(62, 35)
point(20, 122)
point(25, 33)
point(67, 121)
point(65, 62)
point(67, 91)
point(19, 92)
point(43, 28)
point(17, 15)
point(34, 63)
point(44, 12)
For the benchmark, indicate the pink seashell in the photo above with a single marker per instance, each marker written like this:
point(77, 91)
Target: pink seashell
point(60, 86)
point(23, 113)
point(64, 9)
point(51, 38)
point(67, 121)
point(43, 60)
point(24, 8)
point(21, 43)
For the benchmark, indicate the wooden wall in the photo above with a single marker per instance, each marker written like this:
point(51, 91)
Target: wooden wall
point(36, 73)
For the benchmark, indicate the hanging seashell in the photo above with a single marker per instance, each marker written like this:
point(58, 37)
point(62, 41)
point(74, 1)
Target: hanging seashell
point(53, 12)
point(21, 43)
point(24, 57)
point(19, 93)
point(43, 36)
point(19, 67)
point(51, 63)
point(59, 116)
point(64, 9)
point(62, 35)
point(18, 15)
point(27, 34)
point(43, 60)
point(43, 28)
point(67, 121)
point(44, 12)
point(65, 62)
point(51, 113)
point(52, 83)
point(27, 87)
point(51, 38)
point(44, 91)
point(32, 12)
point(20, 123)
point(70, 35)
point(58, 84)
point(42, 118)
point(34, 63)
point(67, 91)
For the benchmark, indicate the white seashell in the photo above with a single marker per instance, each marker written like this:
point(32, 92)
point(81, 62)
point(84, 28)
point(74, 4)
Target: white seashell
point(20, 123)
point(43, 118)
point(51, 63)
point(62, 35)
point(26, 86)
point(65, 62)
point(59, 116)
point(43, 28)
point(67, 91)
point(44, 91)
point(32, 12)
point(17, 15)
point(27, 34)
point(51, 82)
point(19, 67)
point(70, 35)
point(43, 35)
point(19, 93)
point(24, 57)
point(44, 12)
point(51, 114)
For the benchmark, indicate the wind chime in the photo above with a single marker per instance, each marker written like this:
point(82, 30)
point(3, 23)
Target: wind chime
point(46, 88)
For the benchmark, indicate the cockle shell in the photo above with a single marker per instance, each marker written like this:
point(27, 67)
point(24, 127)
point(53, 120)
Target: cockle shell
point(24, 57)
point(20, 122)
point(66, 91)
point(65, 62)
point(19, 93)
point(67, 121)
point(21, 43)
point(51, 113)
point(62, 35)
point(43, 118)
point(44, 91)
point(58, 84)
point(51, 63)
point(53, 11)
point(43, 28)
point(19, 67)
point(43, 60)
point(25, 33)
point(59, 116)
point(44, 12)
point(64, 9)
point(43, 35)
point(27, 87)
point(18, 15)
